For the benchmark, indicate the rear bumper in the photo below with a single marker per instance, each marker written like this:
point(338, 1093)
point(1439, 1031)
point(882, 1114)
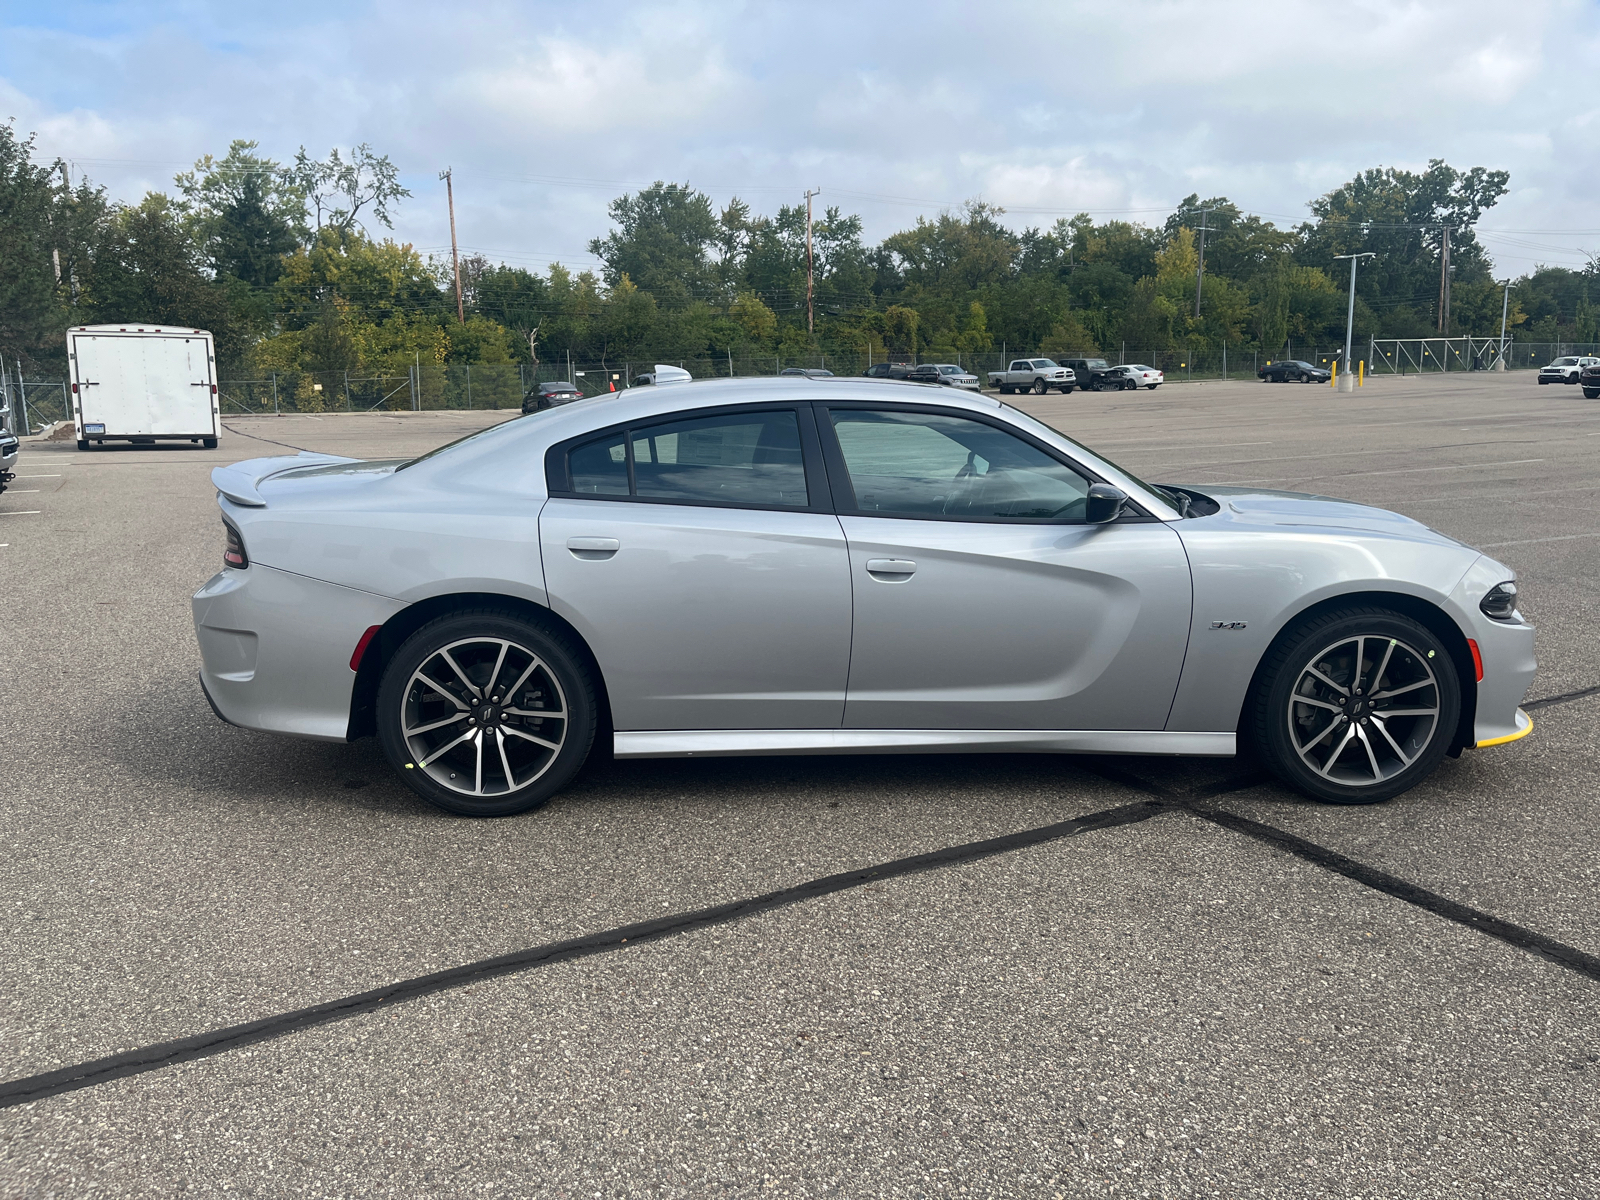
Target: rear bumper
point(276, 649)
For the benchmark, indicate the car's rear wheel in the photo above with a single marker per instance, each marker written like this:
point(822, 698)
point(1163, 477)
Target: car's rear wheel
point(1356, 706)
point(486, 714)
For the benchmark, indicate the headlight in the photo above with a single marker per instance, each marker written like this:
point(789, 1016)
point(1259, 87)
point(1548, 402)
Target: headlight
point(1500, 602)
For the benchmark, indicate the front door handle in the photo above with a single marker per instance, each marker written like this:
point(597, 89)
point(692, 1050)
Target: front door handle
point(891, 570)
point(593, 548)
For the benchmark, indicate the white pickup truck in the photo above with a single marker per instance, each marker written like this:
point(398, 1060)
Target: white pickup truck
point(1036, 375)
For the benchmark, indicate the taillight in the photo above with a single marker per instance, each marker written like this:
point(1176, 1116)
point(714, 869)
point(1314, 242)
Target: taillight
point(233, 554)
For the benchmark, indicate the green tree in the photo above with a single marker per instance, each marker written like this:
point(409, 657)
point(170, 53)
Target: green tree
point(664, 243)
point(244, 212)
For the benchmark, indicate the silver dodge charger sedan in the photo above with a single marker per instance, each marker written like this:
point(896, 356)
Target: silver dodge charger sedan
point(808, 566)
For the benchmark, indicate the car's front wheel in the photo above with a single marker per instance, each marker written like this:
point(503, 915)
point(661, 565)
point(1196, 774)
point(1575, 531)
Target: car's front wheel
point(1591, 393)
point(1040, 387)
point(486, 714)
point(1356, 706)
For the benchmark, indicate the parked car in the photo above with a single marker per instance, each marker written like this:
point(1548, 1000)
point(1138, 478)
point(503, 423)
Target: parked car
point(1143, 376)
point(1566, 370)
point(808, 372)
point(548, 395)
point(1094, 374)
point(794, 567)
point(1589, 379)
point(662, 374)
point(1036, 375)
point(1292, 370)
point(949, 374)
point(10, 444)
point(887, 370)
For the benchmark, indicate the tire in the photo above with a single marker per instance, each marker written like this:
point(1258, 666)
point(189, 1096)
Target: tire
point(1067, 391)
point(1130, 386)
point(1543, 381)
point(83, 444)
point(1291, 704)
point(1570, 379)
point(1005, 389)
point(1591, 393)
point(418, 724)
point(1152, 386)
point(208, 443)
point(1040, 387)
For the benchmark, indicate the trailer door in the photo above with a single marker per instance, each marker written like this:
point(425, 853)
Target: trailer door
point(144, 384)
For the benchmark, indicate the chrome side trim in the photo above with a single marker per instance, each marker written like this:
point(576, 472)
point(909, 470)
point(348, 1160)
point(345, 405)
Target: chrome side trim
point(688, 743)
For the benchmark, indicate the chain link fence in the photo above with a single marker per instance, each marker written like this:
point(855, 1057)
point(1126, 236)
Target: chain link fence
point(33, 404)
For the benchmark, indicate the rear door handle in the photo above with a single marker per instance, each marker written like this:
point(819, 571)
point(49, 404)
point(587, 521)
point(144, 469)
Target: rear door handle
point(891, 570)
point(593, 548)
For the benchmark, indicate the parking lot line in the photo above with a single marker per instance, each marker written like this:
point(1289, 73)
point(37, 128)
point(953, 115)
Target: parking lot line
point(26, 512)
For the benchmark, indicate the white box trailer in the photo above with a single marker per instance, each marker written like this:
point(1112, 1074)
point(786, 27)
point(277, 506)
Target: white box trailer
point(143, 383)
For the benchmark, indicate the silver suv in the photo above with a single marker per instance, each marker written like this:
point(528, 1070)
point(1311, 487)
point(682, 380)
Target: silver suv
point(1566, 370)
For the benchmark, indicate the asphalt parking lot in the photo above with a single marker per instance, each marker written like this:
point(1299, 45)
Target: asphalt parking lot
point(1218, 989)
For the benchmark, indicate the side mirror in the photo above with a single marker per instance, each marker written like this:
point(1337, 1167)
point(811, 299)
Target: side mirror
point(1104, 504)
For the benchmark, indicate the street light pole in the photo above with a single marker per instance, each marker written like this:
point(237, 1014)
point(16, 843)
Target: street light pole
point(811, 321)
point(1505, 308)
point(1347, 382)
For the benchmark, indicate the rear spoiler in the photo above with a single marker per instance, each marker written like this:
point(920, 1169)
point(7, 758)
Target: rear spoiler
point(239, 482)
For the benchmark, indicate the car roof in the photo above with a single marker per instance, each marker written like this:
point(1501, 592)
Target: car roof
point(516, 440)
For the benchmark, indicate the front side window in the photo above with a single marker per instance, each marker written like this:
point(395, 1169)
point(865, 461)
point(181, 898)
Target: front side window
point(746, 459)
point(911, 464)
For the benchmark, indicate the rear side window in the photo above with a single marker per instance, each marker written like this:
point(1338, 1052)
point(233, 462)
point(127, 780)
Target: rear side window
point(1021, 365)
point(745, 459)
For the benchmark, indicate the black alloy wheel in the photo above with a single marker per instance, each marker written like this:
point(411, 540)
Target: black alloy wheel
point(486, 714)
point(1355, 706)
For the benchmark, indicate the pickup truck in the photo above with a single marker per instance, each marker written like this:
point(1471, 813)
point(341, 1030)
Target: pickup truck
point(1036, 375)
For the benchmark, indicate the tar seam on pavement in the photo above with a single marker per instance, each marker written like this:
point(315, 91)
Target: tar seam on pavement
point(1381, 881)
point(1564, 698)
point(219, 1041)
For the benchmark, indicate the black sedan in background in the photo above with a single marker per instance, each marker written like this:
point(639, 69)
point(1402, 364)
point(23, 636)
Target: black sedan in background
point(548, 395)
point(1292, 370)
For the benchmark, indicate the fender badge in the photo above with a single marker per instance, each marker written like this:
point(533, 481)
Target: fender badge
point(1227, 624)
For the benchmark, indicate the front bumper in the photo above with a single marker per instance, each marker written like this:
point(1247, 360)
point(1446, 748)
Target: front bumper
point(276, 649)
point(1506, 648)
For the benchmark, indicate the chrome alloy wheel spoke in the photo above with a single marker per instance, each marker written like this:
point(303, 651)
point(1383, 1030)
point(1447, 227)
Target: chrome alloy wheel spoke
point(423, 679)
point(1378, 723)
point(461, 675)
point(1361, 732)
point(555, 714)
point(429, 728)
point(1312, 671)
point(477, 774)
point(546, 743)
point(1314, 703)
point(1410, 687)
point(448, 746)
point(505, 765)
point(1326, 769)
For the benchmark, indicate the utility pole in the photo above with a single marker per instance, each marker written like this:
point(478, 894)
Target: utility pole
point(811, 320)
point(1505, 308)
point(1444, 280)
point(1200, 267)
point(1347, 382)
point(455, 258)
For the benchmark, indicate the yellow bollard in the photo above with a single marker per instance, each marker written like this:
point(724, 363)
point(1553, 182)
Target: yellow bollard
point(1333, 379)
point(1361, 374)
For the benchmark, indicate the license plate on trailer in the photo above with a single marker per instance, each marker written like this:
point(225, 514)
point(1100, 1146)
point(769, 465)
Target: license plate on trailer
point(94, 428)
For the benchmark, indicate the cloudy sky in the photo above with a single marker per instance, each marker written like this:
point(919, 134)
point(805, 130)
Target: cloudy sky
point(894, 109)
